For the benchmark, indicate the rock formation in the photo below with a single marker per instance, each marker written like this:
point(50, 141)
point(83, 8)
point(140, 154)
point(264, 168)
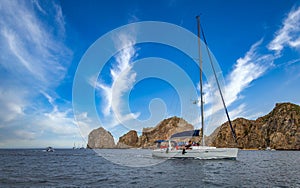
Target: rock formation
point(100, 139)
point(280, 129)
point(128, 140)
point(162, 131)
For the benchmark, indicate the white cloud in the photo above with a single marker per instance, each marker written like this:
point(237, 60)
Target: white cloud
point(288, 35)
point(50, 99)
point(12, 104)
point(59, 18)
point(39, 7)
point(123, 78)
point(252, 66)
point(58, 122)
point(31, 48)
point(246, 69)
point(33, 61)
point(106, 93)
point(85, 124)
point(24, 134)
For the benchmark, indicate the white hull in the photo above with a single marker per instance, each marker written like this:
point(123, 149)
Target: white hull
point(198, 152)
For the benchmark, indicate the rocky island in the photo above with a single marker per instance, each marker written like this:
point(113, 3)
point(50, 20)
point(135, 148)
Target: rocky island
point(98, 137)
point(280, 129)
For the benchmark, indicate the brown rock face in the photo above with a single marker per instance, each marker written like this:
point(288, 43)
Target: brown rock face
point(280, 129)
point(163, 131)
point(128, 140)
point(100, 139)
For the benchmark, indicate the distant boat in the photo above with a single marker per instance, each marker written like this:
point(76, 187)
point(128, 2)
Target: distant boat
point(82, 147)
point(49, 149)
point(74, 147)
point(196, 151)
point(269, 149)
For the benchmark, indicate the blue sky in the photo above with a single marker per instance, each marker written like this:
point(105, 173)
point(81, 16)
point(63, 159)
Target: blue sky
point(42, 44)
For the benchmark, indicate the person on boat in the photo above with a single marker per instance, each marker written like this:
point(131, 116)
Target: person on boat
point(189, 145)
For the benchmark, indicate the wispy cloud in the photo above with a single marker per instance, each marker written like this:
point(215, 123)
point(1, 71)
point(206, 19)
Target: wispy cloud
point(288, 34)
point(122, 80)
point(31, 49)
point(253, 65)
point(33, 62)
point(294, 61)
point(246, 69)
point(38, 6)
point(58, 122)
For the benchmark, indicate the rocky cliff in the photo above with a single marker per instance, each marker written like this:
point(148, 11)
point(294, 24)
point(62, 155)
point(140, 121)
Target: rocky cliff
point(100, 139)
point(162, 131)
point(280, 129)
point(128, 140)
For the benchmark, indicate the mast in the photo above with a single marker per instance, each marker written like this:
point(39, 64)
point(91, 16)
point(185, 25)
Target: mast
point(200, 64)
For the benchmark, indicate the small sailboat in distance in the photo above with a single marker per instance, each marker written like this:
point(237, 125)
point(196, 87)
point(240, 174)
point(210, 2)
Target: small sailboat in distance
point(197, 151)
point(74, 147)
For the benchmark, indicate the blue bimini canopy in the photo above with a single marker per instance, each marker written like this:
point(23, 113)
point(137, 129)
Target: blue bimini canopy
point(186, 134)
point(159, 141)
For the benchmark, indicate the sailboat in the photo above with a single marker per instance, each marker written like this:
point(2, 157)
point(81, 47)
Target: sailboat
point(196, 151)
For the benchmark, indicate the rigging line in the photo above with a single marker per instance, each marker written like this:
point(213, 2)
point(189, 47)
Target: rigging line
point(211, 62)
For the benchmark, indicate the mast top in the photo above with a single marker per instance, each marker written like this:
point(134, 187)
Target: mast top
point(198, 16)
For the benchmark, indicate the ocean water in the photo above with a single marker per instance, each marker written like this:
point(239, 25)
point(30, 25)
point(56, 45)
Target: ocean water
point(85, 168)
